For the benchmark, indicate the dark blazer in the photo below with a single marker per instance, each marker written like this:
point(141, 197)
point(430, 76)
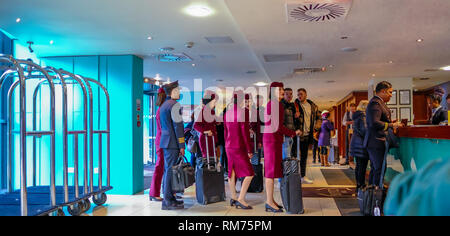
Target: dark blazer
point(439, 116)
point(172, 128)
point(378, 120)
point(359, 132)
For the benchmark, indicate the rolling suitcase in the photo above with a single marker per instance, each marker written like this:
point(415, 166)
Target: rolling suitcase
point(210, 183)
point(291, 185)
point(257, 184)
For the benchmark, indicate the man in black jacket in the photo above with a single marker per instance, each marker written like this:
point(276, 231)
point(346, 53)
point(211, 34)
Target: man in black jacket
point(439, 113)
point(378, 122)
point(289, 111)
point(305, 120)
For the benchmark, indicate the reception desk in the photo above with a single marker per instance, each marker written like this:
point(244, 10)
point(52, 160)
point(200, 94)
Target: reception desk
point(421, 144)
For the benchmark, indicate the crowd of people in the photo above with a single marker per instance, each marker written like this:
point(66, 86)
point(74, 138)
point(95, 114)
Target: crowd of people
point(244, 133)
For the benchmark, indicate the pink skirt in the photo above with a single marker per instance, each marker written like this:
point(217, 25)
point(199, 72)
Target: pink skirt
point(273, 158)
point(239, 162)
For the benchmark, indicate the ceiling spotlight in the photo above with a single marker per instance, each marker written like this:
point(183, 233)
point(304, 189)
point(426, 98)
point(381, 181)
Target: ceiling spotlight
point(51, 42)
point(446, 68)
point(391, 62)
point(331, 66)
point(199, 11)
point(18, 20)
point(193, 65)
point(373, 75)
point(261, 84)
point(420, 40)
point(149, 38)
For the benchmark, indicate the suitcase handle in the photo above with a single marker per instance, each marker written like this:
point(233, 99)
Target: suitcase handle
point(254, 140)
point(215, 154)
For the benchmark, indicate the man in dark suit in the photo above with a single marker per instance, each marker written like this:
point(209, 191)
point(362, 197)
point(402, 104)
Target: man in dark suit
point(439, 113)
point(378, 122)
point(172, 142)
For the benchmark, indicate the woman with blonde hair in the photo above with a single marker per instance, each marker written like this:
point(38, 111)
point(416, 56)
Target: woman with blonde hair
point(357, 149)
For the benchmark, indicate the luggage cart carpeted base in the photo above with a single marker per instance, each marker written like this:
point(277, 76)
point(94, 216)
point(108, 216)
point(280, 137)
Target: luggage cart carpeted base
point(39, 199)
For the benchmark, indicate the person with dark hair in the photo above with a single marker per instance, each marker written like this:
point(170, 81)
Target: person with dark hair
point(172, 142)
point(448, 102)
point(316, 149)
point(274, 131)
point(347, 122)
point(190, 132)
point(206, 125)
point(326, 132)
point(155, 188)
point(289, 111)
point(439, 113)
point(378, 122)
point(239, 149)
point(305, 120)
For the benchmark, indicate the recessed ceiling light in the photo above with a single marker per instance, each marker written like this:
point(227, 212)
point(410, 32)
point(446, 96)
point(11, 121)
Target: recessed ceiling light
point(199, 11)
point(193, 65)
point(446, 68)
point(391, 62)
point(331, 66)
point(373, 75)
point(149, 38)
point(18, 20)
point(261, 84)
point(420, 40)
point(51, 42)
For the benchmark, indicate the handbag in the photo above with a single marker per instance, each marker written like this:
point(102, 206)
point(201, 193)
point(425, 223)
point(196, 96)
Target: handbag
point(392, 139)
point(183, 175)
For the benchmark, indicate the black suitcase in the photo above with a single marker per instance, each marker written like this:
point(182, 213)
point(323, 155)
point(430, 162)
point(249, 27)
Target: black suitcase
point(291, 194)
point(371, 198)
point(257, 184)
point(210, 182)
point(291, 185)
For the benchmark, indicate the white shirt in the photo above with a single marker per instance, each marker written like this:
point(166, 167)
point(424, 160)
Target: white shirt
point(307, 118)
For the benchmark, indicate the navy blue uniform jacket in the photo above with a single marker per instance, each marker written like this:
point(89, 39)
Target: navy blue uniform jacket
point(378, 118)
point(172, 128)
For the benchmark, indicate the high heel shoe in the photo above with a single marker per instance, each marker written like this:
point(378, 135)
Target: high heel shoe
point(281, 207)
point(271, 209)
point(240, 205)
point(155, 199)
point(232, 202)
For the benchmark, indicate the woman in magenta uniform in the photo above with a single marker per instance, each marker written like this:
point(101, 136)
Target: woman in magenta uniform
point(273, 141)
point(155, 189)
point(206, 124)
point(239, 149)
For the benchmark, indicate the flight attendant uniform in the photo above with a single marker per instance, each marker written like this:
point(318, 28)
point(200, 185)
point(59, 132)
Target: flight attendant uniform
point(273, 139)
point(207, 122)
point(155, 189)
point(237, 142)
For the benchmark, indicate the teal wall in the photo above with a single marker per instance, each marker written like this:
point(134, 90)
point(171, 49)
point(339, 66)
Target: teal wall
point(122, 76)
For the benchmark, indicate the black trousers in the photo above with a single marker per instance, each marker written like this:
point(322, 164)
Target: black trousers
point(170, 158)
point(376, 156)
point(316, 151)
point(304, 147)
point(360, 171)
point(294, 147)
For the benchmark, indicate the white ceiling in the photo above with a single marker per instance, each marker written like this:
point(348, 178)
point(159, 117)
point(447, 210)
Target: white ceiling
point(382, 30)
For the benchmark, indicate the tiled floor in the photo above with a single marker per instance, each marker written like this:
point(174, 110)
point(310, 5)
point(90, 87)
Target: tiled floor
point(139, 205)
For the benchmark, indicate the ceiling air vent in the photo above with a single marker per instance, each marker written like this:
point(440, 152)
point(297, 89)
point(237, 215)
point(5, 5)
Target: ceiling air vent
point(309, 70)
point(318, 10)
point(282, 57)
point(173, 57)
point(216, 40)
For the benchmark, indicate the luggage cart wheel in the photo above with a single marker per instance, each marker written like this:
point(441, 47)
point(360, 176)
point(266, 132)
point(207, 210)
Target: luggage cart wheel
point(75, 209)
point(86, 205)
point(99, 199)
point(60, 213)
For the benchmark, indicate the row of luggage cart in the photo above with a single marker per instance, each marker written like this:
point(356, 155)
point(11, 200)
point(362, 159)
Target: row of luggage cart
point(33, 198)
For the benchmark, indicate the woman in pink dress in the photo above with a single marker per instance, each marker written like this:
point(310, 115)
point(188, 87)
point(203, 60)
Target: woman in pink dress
point(206, 125)
point(239, 150)
point(274, 131)
point(155, 189)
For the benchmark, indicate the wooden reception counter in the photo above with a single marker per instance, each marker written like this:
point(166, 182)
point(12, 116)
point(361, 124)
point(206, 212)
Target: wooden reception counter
point(421, 144)
point(425, 131)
